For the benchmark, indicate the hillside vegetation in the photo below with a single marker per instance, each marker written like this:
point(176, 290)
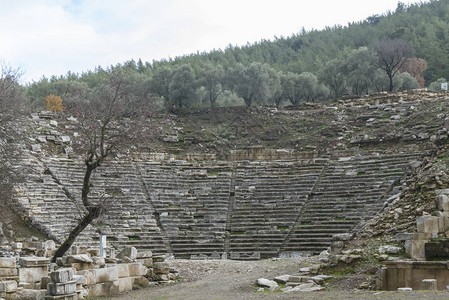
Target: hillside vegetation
point(309, 66)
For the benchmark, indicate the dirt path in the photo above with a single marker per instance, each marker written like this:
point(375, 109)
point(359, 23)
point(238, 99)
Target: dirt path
point(229, 279)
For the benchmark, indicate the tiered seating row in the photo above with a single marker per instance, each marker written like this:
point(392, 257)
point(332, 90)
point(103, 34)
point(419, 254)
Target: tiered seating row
point(192, 208)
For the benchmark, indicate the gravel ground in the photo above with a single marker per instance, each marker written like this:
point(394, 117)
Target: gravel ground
point(217, 279)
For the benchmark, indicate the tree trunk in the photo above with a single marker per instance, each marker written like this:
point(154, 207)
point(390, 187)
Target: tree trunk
point(94, 212)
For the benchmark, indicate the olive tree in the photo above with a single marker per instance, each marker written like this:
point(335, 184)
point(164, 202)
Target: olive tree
point(254, 83)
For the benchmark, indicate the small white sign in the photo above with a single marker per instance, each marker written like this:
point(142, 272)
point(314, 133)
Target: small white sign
point(102, 245)
point(444, 86)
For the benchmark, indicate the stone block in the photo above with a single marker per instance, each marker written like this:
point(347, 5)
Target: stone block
point(123, 270)
point(28, 262)
point(443, 221)
point(125, 284)
point(161, 268)
point(8, 286)
point(104, 289)
point(88, 275)
point(129, 252)
point(93, 252)
point(428, 224)
point(429, 284)
point(66, 288)
point(7, 262)
point(81, 266)
point(137, 269)
point(159, 258)
point(80, 279)
point(150, 273)
point(62, 275)
point(7, 272)
point(99, 261)
point(161, 277)
point(141, 281)
point(30, 294)
point(415, 248)
point(44, 281)
point(32, 275)
point(78, 258)
point(144, 254)
point(148, 262)
point(443, 202)
point(106, 274)
point(50, 245)
point(413, 236)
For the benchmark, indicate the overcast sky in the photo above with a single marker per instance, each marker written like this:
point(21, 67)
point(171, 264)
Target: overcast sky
point(51, 37)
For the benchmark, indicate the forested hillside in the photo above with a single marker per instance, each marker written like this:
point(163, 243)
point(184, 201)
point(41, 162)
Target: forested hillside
point(394, 51)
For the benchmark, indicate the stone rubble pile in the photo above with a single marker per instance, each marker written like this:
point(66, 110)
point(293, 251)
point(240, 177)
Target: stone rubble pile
point(307, 280)
point(82, 275)
point(428, 227)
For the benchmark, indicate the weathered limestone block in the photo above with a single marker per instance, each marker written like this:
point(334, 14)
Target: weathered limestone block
point(159, 258)
point(104, 289)
point(161, 277)
point(106, 274)
point(62, 275)
point(161, 268)
point(66, 288)
point(137, 269)
point(8, 286)
point(428, 224)
point(144, 254)
point(7, 272)
point(88, 275)
point(79, 262)
point(141, 281)
point(44, 282)
point(30, 294)
point(420, 236)
point(31, 261)
point(7, 262)
point(123, 270)
point(429, 284)
point(415, 248)
point(443, 202)
point(443, 221)
point(148, 262)
point(129, 252)
point(283, 279)
point(32, 275)
point(270, 284)
point(125, 284)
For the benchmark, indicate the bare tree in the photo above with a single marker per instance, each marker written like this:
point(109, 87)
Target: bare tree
point(391, 56)
point(12, 100)
point(104, 132)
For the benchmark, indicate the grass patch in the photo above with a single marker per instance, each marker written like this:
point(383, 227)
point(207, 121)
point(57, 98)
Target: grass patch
point(237, 233)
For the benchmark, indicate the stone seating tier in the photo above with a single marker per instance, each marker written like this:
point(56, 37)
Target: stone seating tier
point(193, 208)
